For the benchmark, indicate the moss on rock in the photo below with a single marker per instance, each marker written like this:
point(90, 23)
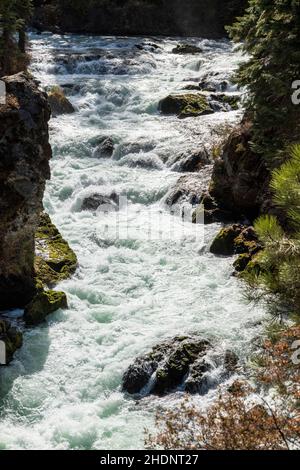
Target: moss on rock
point(55, 261)
point(59, 103)
point(44, 303)
point(235, 239)
point(185, 105)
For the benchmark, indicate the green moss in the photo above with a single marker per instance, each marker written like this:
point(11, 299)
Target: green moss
point(232, 100)
point(55, 261)
point(44, 303)
point(186, 105)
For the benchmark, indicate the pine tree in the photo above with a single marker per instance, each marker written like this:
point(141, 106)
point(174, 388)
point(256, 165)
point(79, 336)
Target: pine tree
point(14, 15)
point(270, 35)
point(278, 275)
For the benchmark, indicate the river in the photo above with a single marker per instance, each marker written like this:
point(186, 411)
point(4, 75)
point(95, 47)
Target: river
point(63, 390)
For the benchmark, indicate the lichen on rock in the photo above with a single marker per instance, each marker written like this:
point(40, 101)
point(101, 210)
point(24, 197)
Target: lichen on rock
point(55, 261)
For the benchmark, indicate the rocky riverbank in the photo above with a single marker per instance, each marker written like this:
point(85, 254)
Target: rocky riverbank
point(33, 255)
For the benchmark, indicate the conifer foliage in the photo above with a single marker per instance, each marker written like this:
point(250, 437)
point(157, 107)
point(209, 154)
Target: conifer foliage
point(14, 16)
point(270, 35)
point(279, 274)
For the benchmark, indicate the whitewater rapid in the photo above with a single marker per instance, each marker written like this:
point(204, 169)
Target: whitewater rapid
point(63, 390)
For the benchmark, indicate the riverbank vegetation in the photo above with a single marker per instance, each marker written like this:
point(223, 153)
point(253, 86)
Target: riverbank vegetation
point(14, 16)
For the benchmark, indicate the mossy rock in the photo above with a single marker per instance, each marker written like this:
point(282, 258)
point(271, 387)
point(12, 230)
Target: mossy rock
point(44, 303)
point(185, 105)
point(232, 100)
point(223, 243)
point(55, 261)
point(235, 239)
point(186, 49)
point(241, 262)
point(12, 339)
point(59, 103)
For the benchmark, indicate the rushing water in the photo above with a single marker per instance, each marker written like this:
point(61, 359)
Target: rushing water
point(63, 390)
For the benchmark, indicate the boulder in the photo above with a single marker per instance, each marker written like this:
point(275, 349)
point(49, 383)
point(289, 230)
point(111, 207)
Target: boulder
point(169, 361)
point(55, 261)
point(235, 239)
point(100, 202)
point(209, 210)
point(186, 49)
point(185, 105)
point(240, 179)
point(192, 163)
point(105, 148)
point(59, 103)
point(43, 304)
point(12, 340)
point(188, 189)
point(198, 381)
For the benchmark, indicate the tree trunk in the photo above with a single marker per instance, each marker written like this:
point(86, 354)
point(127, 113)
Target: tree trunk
point(22, 40)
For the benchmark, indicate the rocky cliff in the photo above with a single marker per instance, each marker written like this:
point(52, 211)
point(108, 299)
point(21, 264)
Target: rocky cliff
point(24, 168)
point(138, 17)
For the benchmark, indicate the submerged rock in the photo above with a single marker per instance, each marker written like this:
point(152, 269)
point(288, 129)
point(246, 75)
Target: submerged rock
point(59, 103)
point(44, 303)
point(185, 105)
point(54, 260)
point(24, 168)
point(186, 49)
point(12, 338)
point(103, 203)
point(105, 148)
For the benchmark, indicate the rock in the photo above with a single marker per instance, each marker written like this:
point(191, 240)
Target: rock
point(54, 260)
point(197, 381)
point(170, 361)
point(209, 210)
point(186, 49)
point(235, 239)
point(240, 179)
point(99, 202)
point(242, 262)
point(24, 168)
point(192, 163)
point(189, 188)
point(43, 304)
point(185, 105)
point(105, 148)
point(12, 338)
point(147, 161)
point(59, 103)
point(230, 361)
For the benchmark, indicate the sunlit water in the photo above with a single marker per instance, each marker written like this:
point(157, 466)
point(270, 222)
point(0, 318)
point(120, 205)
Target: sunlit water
point(63, 389)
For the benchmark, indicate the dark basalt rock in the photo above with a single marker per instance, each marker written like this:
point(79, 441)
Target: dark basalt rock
point(188, 189)
point(100, 202)
point(105, 148)
point(24, 168)
point(12, 338)
point(186, 49)
point(192, 163)
point(169, 361)
point(210, 212)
